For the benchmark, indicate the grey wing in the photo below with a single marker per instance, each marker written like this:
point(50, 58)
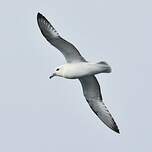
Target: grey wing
point(92, 93)
point(69, 51)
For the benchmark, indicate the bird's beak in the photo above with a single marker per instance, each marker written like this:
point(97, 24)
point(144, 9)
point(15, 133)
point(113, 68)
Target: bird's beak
point(52, 75)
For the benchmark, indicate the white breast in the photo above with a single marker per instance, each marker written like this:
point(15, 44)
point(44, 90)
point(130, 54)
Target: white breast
point(77, 70)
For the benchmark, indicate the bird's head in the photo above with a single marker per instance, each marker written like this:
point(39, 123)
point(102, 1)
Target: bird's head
point(57, 72)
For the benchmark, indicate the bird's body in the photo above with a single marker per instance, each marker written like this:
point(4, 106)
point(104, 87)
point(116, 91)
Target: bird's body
point(78, 68)
point(81, 69)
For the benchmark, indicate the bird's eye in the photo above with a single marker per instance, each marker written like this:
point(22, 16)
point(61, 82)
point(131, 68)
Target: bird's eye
point(57, 69)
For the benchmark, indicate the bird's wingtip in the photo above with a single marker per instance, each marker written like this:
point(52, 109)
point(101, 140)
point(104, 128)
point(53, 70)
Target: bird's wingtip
point(116, 129)
point(39, 15)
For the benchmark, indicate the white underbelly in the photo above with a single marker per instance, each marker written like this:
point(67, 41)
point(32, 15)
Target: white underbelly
point(78, 70)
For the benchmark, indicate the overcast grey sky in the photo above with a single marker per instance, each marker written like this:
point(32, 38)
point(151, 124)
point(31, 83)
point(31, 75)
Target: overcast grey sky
point(42, 115)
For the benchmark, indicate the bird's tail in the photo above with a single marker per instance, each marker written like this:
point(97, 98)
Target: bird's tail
point(106, 67)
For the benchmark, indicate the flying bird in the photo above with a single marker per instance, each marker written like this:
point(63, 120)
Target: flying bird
point(77, 67)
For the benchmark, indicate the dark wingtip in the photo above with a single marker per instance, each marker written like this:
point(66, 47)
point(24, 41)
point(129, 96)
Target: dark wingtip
point(116, 129)
point(39, 15)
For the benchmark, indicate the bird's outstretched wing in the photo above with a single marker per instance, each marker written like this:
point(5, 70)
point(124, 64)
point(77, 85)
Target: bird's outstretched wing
point(69, 51)
point(92, 93)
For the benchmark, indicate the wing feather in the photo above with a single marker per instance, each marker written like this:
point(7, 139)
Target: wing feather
point(92, 93)
point(69, 51)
